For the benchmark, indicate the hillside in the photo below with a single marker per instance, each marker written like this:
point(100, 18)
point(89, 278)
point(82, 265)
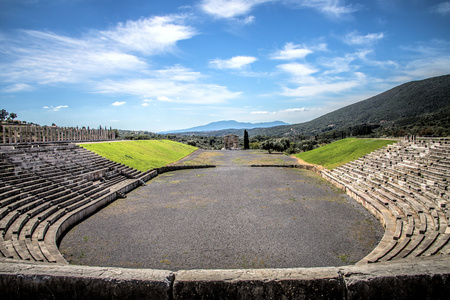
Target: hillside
point(415, 99)
point(142, 155)
point(416, 103)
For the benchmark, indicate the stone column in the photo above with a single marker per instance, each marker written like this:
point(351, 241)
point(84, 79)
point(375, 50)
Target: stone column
point(16, 134)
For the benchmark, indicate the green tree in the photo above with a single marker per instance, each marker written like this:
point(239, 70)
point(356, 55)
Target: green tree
point(246, 140)
point(3, 114)
point(267, 145)
point(12, 116)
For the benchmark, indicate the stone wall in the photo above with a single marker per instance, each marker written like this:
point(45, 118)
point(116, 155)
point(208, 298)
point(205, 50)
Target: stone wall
point(426, 278)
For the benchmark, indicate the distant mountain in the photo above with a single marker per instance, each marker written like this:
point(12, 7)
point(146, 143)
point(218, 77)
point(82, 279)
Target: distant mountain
point(224, 125)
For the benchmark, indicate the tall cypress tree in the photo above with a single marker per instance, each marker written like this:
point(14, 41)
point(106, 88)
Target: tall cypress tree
point(246, 141)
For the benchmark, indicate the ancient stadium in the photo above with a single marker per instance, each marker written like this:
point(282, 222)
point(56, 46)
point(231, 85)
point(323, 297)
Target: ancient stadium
point(396, 246)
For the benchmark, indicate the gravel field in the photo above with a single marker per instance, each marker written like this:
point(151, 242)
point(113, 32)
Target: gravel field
point(232, 216)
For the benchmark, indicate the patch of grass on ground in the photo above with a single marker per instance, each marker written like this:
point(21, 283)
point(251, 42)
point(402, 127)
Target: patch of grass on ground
point(142, 155)
point(341, 152)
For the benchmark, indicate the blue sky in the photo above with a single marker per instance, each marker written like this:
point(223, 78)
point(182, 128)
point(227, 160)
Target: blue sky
point(172, 64)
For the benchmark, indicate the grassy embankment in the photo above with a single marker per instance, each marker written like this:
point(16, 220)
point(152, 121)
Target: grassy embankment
point(142, 155)
point(341, 152)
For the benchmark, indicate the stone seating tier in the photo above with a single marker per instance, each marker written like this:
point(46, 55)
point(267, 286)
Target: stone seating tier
point(406, 179)
point(41, 185)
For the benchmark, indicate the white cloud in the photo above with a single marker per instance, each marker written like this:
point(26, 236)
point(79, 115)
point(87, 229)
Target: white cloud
point(38, 57)
point(225, 9)
point(229, 9)
point(294, 110)
point(324, 85)
point(297, 70)
point(53, 108)
point(163, 87)
point(354, 38)
point(118, 103)
point(145, 104)
point(178, 73)
point(289, 110)
point(442, 8)
point(426, 67)
point(149, 36)
point(18, 87)
point(291, 51)
point(338, 64)
point(260, 112)
point(164, 99)
point(236, 62)
point(333, 8)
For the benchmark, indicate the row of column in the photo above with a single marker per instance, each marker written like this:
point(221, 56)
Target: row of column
point(33, 134)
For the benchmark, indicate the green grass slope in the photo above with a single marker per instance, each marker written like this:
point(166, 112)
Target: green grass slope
point(341, 152)
point(142, 155)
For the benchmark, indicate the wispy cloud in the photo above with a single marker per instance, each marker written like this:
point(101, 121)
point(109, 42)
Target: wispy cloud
point(428, 59)
point(262, 112)
point(17, 87)
point(230, 9)
point(442, 8)
point(296, 70)
point(175, 84)
point(333, 8)
point(118, 103)
point(289, 110)
point(224, 9)
point(354, 38)
point(149, 36)
point(37, 57)
point(291, 51)
point(236, 62)
point(320, 88)
point(53, 108)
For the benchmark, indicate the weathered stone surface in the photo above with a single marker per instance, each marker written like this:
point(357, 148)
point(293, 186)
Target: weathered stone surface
point(45, 281)
point(299, 283)
point(424, 278)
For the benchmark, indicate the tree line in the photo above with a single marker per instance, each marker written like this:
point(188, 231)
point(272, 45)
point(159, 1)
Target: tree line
point(6, 116)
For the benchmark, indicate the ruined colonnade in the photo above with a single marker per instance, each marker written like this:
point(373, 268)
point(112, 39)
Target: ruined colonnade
point(13, 134)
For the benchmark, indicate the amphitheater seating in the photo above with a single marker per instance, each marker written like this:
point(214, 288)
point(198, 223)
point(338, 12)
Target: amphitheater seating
point(42, 183)
point(407, 184)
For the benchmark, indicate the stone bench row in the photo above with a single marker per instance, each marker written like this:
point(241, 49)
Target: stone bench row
point(413, 207)
point(36, 192)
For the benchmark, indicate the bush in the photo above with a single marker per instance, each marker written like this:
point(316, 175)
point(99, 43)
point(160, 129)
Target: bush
point(254, 145)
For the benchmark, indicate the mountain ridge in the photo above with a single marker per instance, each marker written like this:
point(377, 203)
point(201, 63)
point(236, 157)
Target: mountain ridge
point(225, 125)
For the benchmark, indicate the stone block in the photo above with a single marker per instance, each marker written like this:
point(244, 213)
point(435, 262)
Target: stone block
point(40, 281)
point(298, 283)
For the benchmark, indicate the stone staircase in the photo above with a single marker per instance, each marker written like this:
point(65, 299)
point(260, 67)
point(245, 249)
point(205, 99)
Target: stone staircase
point(406, 185)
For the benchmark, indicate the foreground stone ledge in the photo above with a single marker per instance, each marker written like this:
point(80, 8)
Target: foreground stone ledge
point(50, 281)
point(313, 283)
point(419, 278)
point(403, 279)
point(416, 278)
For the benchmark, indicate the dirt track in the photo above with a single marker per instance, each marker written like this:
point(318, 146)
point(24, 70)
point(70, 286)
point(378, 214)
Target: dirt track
point(232, 216)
